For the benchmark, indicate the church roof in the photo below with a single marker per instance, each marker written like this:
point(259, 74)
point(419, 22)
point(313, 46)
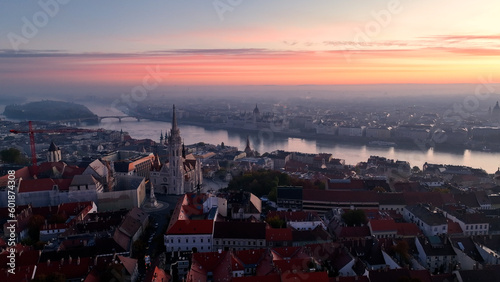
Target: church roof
point(54, 148)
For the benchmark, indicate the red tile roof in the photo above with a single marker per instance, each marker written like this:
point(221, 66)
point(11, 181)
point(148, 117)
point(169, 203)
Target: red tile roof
point(281, 253)
point(408, 229)
point(71, 171)
point(354, 184)
point(71, 209)
point(217, 263)
point(121, 239)
point(23, 173)
point(25, 256)
point(382, 225)
point(267, 278)
point(435, 198)
point(454, 228)
point(354, 232)
point(63, 184)
point(71, 270)
point(278, 234)
point(250, 257)
point(158, 276)
point(310, 276)
point(236, 263)
point(129, 263)
point(203, 226)
point(22, 273)
point(36, 185)
point(49, 166)
point(349, 279)
point(291, 265)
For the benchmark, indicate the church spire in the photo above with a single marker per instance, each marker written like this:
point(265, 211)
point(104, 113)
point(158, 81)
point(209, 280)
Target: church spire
point(175, 135)
point(247, 148)
point(174, 119)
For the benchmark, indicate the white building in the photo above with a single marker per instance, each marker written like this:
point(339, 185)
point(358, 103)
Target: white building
point(431, 223)
point(192, 224)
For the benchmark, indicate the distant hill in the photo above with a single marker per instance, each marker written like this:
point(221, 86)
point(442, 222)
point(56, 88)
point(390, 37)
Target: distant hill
point(49, 111)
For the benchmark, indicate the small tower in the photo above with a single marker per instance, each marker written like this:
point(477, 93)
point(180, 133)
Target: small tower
point(248, 150)
point(256, 114)
point(54, 153)
point(161, 138)
point(256, 110)
point(495, 112)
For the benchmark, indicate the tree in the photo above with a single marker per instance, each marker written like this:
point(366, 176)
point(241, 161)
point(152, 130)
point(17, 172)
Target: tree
point(12, 156)
point(354, 217)
point(273, 195)
point(34, 224)
point(276, 222)
point(320, 184)
point(402, 251)
point(415, 169)
point(441, 190)
point(138, 249)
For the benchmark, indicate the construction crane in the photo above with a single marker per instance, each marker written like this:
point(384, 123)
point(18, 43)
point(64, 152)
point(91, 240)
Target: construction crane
point(32, 132)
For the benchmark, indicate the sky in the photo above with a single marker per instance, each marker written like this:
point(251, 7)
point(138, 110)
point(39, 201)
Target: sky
point(69, 45)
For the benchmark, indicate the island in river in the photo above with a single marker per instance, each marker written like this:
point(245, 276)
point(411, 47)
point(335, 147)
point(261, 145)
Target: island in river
point(48, 110)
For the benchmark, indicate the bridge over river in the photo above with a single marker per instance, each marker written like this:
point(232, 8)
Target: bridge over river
point(100, 118)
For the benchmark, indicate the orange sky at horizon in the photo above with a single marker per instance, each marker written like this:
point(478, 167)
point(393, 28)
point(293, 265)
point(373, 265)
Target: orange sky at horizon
point(421, 66)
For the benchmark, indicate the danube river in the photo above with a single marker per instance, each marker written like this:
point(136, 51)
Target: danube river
point(267, 142)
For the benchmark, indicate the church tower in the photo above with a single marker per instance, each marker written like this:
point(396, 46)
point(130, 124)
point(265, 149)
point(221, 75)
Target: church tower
point(54, 153)
point(248, 150)
point(256, 114)
point(176, 161)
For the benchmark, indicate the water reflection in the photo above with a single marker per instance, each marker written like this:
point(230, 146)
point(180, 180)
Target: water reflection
point(267, 142)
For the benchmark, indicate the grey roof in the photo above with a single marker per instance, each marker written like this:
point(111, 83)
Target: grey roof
point(443, 249)
point(84, 179)
point(430, 218)
point(127, 182)
point(468, 247)
point(98, 168)
point(289, 193)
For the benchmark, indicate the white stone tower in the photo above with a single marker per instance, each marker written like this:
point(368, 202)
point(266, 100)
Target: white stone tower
point(176, 161)
point(54, 153)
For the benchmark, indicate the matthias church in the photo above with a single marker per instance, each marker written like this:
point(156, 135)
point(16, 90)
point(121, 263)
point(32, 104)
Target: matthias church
point(181, 173)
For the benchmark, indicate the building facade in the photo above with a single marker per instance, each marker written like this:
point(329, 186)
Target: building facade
point(182, 173)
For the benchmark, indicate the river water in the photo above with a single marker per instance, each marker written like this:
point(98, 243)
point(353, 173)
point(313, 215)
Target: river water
point(267, 142)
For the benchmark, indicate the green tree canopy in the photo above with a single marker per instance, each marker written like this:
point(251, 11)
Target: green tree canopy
point(12, 156)
point(276, 222)
point(354, 217)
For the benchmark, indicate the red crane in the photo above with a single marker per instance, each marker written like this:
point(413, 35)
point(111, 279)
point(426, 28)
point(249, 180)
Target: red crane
point(32, 132)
